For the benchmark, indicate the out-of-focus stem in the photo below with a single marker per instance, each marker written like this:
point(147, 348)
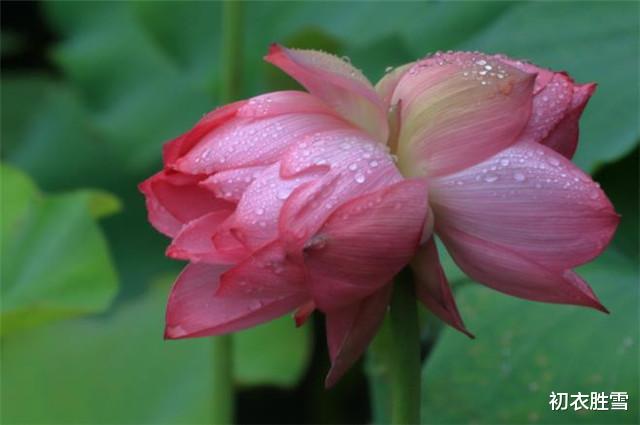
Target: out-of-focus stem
point(223, 388)
point(405, 355)
point(231, 53)
point(223, 403)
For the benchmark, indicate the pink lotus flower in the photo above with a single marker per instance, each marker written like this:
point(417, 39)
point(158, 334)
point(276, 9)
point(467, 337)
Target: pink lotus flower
point(293, 201)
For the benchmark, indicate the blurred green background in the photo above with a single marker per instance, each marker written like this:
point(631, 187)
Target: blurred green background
point(90, 91)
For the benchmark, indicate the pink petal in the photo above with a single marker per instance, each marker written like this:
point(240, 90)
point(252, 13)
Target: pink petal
point(564, 137)
point(336, 82)
point(506, 270)
point(554, 121)
point(354, 165)
point(543, 75)
point(432, 288)
point(529, 212)
point(365, 243)
point(231, 184)
point(388, 83)
point(531, 200)
point(255, 220)
point(195, 310)
point(283, 102)
point(303, 313)
point(174, 199)
point(459, 109)
point(246, 142)
point(176, 148)
point(351, 329)
point(269, 272)
point(194, 241)
point(550, 106)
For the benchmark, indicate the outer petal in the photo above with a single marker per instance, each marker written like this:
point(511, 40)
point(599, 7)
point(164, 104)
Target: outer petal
point(432, 287)
point(550, 106)
point(459, 109)
point(231, 184)
point(255, 221)
point(508, 271)
point(174, 149)
point(194, 241)
point(174, 199)
point(365, 243)
point(339, 84)
point(246, 142)
point(564, 137)
point(195, 310)
point(350, 329)
point(543, 75)
point(354, 165)
point(531, 199)
point(528, 204)
point(554, 92)
point(269, 272)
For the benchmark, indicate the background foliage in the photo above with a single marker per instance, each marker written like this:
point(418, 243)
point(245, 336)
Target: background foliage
point(90, 90)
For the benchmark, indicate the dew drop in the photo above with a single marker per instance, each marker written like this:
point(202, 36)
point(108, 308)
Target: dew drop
point(490, 178)
point(504, 162)
point(360, 178)
point(519, 177)
point(282, 194)
point(260, 211)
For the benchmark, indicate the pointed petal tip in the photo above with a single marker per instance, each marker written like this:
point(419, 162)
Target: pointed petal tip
point(466, 332)
point(143, 187)
point(590, 87)
point(173, 251)
point(332, 378)
point(298, 321)
point(174, 332)
point(602, 308)
point(303, 313)
point(274, 49)
point(455, 321)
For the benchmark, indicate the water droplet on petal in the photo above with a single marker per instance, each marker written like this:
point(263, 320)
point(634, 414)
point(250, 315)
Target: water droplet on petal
point(360, 178)
point(490, 178)
point(519, 177)
point(282, 194)
point(554, 161)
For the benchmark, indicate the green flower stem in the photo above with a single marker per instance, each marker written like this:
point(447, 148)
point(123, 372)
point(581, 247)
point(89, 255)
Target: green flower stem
point(404, 355)
point(231, 52)
point(223, 388)
point(223, 403)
